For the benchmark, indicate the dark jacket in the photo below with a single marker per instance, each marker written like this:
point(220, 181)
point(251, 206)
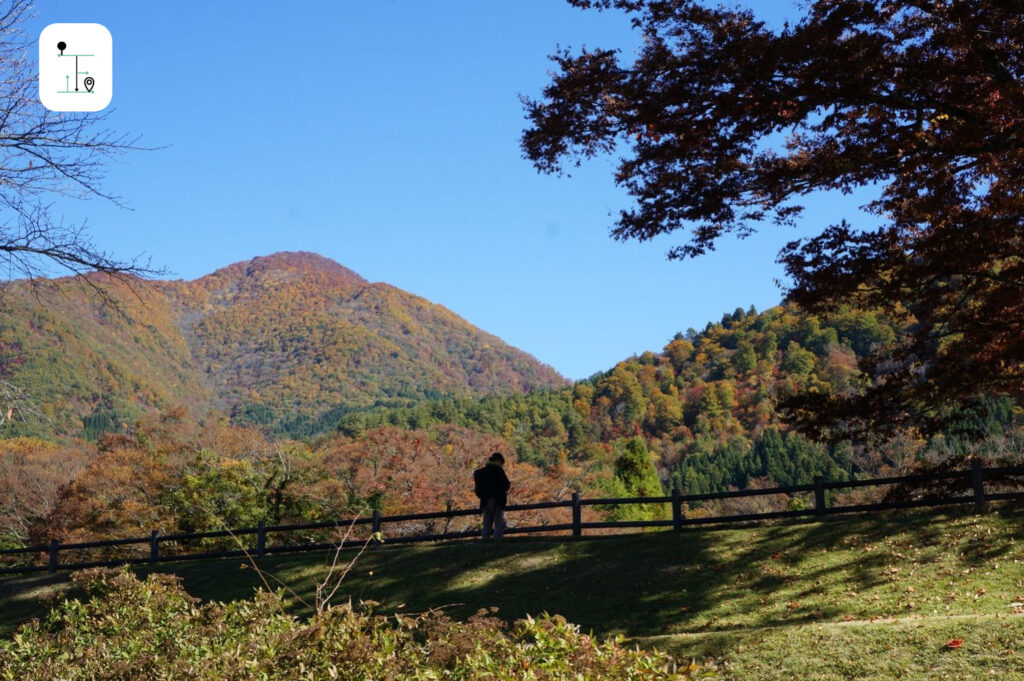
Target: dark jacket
point(490, 482)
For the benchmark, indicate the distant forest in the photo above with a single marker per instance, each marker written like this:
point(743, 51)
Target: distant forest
point(707, 407)
point(702, 415)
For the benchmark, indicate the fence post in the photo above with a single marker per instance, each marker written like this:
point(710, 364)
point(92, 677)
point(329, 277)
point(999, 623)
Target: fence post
point(577, 529)
point(977, 482)
point(819, 496)
point(375, 518)
point(54, 547)
point(261, 538)
point(677, 509)
point(154, 546)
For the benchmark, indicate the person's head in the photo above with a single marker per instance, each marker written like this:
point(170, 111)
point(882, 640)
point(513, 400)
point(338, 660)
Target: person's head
point(497, 458)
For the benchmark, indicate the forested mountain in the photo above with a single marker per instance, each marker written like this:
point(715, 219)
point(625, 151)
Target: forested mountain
point(707, 407)
point(279, 339)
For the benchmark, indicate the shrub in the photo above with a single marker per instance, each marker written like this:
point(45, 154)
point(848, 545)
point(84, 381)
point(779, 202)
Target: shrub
point(132, 629)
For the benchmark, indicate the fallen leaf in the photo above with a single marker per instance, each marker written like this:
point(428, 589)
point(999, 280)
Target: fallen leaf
point(955, 643)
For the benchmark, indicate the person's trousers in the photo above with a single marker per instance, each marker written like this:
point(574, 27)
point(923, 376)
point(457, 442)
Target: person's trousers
point(494, 519)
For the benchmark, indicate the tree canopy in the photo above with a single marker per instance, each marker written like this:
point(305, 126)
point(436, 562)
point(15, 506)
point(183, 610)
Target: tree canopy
point(723, 123)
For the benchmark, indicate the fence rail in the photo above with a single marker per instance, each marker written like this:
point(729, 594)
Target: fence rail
point(975, 478)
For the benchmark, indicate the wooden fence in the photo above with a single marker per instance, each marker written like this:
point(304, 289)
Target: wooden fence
point(47, 558)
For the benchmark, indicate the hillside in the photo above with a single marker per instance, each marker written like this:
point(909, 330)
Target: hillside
point(279, 339)
point(707, 406)
point(870, 597)
point(702, 415)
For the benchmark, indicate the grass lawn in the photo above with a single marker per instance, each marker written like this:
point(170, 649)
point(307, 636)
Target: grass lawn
point(858, 597)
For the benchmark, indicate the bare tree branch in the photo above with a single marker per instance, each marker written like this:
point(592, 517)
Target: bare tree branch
point(45, 155)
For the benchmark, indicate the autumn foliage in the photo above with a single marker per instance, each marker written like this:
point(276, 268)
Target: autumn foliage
point(724, 124)
point(701, 415)
point(290, 341)
point(178, 473)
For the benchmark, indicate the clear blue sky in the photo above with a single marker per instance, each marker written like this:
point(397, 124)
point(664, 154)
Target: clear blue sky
point(385, 135)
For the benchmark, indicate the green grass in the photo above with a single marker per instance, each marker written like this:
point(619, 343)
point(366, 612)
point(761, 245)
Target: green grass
point(859, 597)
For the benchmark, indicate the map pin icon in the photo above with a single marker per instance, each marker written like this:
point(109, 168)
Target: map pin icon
point(89, 83)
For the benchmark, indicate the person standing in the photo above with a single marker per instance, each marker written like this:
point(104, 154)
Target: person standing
point(491, 486)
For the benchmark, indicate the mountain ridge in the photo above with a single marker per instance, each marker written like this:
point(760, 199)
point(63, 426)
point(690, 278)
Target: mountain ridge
point(278, 337)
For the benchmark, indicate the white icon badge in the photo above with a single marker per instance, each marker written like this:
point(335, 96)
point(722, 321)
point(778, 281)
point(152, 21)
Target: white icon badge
point(76, 67)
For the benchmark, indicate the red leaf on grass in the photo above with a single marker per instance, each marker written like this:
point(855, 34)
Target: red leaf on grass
point(954, 643)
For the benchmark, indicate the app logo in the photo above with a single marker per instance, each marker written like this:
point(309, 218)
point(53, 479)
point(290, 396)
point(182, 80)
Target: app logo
point(76, 67)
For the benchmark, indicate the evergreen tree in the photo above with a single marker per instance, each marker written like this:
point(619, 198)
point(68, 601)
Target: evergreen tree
point(636, 476)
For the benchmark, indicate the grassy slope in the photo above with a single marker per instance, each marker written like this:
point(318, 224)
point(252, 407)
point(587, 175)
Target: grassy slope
point(850, 598)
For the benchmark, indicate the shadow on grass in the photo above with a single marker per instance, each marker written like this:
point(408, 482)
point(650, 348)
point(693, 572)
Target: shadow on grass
point(706, 581)
point(695, 581)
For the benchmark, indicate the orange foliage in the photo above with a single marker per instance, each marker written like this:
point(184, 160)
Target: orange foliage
point(33, 475)
point(414, 471)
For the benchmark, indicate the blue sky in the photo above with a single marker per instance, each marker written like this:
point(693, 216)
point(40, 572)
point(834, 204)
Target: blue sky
point(385, 135)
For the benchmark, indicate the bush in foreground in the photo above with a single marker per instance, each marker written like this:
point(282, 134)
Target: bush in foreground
point(132, 629)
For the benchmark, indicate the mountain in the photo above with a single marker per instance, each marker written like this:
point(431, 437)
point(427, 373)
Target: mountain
point(282, 339)
point(706, 408)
